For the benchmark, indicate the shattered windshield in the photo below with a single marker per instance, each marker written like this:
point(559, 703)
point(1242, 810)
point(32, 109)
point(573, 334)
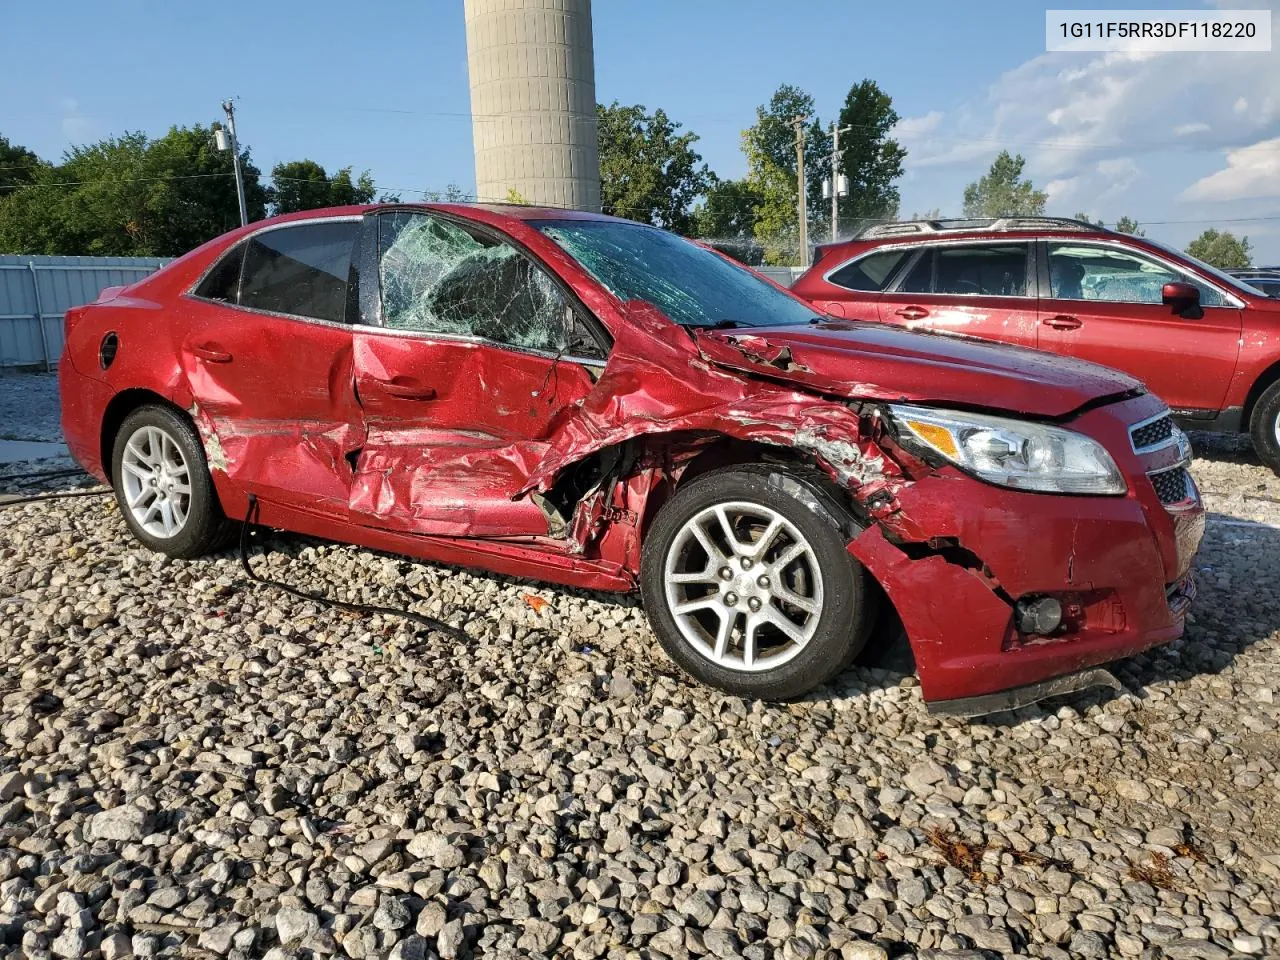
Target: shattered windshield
point(439, 277)
point(691, 285)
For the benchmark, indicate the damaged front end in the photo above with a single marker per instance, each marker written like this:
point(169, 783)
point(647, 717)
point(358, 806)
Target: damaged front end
point(967, 564)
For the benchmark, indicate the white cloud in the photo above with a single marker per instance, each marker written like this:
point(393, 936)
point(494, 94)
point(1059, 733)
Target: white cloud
point(1187, 129)
point(74, 124)
point(1251, 172)
point(913, 128)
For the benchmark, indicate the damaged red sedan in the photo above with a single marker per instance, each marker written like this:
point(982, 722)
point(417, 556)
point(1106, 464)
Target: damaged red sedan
point(589, 401)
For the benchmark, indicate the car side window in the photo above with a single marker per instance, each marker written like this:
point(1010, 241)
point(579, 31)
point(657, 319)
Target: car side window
point(300, 270)
point(438, 276)
point(871, 273)
point(992, 270)
point(1107, 274)
point(920, 278)
point(222, 283)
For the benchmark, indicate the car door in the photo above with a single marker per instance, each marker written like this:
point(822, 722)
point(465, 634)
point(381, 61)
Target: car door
point(267, 351)
point(471, 355)
point(978, 289)
point(1104, 303)
point(852, 290)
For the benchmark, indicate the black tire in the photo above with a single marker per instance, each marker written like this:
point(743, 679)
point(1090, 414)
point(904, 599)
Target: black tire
point(802, 498)
point(206, 528)
point(1264, 427)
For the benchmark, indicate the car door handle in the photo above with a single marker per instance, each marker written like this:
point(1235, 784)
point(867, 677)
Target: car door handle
point(1063, 322)
point(406, 389)
point(913, 313)
point(211, 353)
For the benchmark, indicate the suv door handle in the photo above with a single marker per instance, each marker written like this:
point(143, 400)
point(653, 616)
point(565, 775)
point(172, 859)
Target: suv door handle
point(211, 353)
point(913, 313)
point(406, 389)
point(1063, 322)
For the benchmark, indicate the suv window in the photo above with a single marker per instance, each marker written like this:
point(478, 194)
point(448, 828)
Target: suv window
point(991, 270)
point(1087, 272)
point(438, 276)
point(871, 273)
point(300, 270)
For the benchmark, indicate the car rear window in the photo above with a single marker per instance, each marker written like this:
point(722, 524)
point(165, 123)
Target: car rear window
point(300, 270)
point(870, 273)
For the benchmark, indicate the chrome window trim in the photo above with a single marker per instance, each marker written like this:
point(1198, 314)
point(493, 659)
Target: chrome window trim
point(267, 228)
point(930, 244)
point(472, 340)
point(1234, 302)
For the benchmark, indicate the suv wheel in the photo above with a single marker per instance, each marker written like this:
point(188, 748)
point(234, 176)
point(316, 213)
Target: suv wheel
point(1265, 427)
point(748, 584)
point(163, 487)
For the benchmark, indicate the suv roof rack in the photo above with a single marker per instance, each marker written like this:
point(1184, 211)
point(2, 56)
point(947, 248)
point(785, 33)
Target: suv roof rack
point(986, 224)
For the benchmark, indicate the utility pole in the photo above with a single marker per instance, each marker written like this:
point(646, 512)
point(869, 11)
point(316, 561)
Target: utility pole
point(229, 108)
point(798, 123)
point(836, 178)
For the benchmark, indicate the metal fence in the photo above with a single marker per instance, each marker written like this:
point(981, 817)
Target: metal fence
point(35, 292)
point(783, 275)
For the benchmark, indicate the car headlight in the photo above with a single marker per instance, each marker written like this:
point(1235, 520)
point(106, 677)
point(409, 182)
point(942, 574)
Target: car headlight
point(1013, 453)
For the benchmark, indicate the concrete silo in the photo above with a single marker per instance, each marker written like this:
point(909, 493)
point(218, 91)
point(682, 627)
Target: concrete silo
point(533, 101)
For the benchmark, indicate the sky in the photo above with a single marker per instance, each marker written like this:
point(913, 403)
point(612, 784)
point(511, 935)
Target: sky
point(1179, 141)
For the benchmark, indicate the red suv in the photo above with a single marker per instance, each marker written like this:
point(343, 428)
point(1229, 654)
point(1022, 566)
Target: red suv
point(595, 402)
point(1206, 342)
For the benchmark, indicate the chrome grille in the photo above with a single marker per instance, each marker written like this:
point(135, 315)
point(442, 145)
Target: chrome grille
point(1152, 433)
point(1171, 485)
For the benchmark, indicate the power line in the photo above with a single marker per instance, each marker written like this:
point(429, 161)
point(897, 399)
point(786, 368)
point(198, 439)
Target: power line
point(85, 183)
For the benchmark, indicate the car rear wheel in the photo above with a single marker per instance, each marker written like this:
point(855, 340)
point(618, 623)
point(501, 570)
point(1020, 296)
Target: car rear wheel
point(162, 484)
point(748, 584)
point(1265, 427)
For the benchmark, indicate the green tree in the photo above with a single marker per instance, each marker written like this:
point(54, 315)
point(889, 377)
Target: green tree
point(18, 166)
point(1223, 250)
point(131, 196)
point(648, 170)
point(728, 212)
point(869, 157)
point(304, 185)
point(772, 141)
point(1088, 219)
point(1129, 225)
point(1002, 192)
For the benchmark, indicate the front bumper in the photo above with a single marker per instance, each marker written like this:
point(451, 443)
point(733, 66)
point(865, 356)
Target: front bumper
point(956, 554)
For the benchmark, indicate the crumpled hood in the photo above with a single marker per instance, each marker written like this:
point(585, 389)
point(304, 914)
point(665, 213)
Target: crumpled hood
point(879, 362)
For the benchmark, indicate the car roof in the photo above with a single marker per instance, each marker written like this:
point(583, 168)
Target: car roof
point(485, 212)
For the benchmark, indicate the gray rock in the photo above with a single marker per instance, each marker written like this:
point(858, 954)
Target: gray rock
point(125, 823)
point(293, 925)
point(431, 920)
point(392, 914)
point(450, 940)
point(218, 939)
point(435, 848)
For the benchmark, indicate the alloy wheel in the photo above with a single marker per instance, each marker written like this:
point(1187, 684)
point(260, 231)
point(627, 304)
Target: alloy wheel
point(743, 586)
point(157, 482)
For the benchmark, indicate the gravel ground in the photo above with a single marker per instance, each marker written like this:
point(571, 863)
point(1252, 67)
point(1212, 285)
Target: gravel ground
point(29, 407)
point(196, 766)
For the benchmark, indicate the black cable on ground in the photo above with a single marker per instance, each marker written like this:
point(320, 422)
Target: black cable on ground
point(17, 501)
point(431, 623)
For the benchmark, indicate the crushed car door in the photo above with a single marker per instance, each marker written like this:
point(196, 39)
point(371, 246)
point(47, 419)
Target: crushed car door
point(470, 357)
point(267, 352)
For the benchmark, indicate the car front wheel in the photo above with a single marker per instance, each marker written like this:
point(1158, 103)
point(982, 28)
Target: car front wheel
point(748, 584)
point(1264, 427)
point(162, 484)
